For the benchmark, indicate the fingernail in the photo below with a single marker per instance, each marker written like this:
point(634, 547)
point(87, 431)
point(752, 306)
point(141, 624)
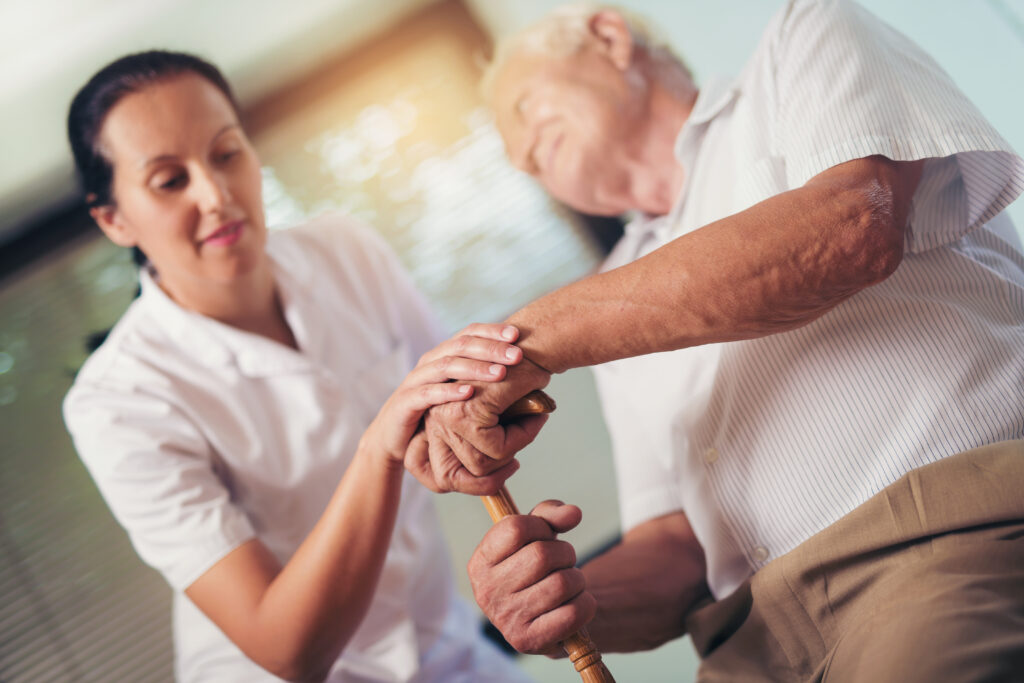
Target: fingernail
point(495, 369)
point(464, 389)
point(512, 353)
point(509, 332)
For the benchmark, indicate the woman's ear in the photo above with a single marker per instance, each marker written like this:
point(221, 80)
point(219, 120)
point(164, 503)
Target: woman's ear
point(110, 222)
point(612, 32)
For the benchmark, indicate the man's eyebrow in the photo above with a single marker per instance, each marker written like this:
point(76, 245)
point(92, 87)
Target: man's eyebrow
point(171, 157)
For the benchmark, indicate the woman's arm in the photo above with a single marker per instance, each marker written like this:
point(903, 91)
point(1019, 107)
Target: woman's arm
point(296, 619)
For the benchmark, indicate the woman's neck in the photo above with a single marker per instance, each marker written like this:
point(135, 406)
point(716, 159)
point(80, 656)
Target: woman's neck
point(249, 302)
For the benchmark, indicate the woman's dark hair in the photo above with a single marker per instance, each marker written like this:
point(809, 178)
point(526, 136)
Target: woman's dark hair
point(96, 98)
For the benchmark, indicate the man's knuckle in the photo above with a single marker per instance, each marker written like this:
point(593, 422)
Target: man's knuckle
point(522, 643)
point(535, 642)
point(559, 584)
point(540, 554)
point(588, 606)
point(575, 581)
point(516, 533)
point(570, 553)
point(482, 593)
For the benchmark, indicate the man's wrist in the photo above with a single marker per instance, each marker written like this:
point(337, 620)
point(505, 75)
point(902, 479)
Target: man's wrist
point(530, 341)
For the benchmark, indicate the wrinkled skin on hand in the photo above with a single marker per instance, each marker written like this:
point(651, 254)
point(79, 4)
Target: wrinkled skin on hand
point(467, 447)
point(525, 581)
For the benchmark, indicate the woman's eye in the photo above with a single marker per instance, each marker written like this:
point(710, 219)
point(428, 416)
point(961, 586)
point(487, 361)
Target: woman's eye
point(173, 182)
point(226, 156)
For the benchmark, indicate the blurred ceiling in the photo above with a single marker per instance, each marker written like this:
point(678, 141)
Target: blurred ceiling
point(49, 47)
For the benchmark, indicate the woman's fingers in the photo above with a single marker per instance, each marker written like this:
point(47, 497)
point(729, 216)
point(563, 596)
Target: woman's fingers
point(483, 342)
point(416, 399)
point(496, 331)
point(449, 368)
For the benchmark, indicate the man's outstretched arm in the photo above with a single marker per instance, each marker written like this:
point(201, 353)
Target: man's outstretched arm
point(774, 267)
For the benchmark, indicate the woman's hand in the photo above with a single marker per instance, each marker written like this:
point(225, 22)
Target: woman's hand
point(480, 353)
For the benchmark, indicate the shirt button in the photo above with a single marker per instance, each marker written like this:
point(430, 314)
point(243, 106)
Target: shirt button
point(710, 455)
point(760, 553)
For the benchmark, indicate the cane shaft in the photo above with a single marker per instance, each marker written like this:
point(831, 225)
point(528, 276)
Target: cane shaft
point(581, 650)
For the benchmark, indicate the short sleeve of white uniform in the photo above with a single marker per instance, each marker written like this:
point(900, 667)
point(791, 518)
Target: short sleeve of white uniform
point(645, 481)
point(408, 311)
point(848, 86)
point(154, 470)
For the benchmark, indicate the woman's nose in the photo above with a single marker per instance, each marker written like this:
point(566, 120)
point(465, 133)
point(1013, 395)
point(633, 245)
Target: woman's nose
point(211, 190)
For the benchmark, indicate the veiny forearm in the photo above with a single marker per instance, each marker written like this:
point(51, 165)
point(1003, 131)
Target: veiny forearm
point(771, 268)
point(645, 586)
point(295, 620)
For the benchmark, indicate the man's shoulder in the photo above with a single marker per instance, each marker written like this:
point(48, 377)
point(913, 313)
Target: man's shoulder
point(808, 20)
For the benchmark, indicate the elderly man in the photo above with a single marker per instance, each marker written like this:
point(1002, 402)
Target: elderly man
point(811, 349)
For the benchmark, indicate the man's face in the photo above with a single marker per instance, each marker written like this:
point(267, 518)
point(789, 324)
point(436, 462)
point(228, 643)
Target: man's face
point(569, 122)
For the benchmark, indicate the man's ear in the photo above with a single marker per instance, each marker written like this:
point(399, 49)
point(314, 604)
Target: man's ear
point(109, 220)
point(610, 29)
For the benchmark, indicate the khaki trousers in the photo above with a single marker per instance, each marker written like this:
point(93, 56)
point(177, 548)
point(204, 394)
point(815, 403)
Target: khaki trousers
point(923, 582)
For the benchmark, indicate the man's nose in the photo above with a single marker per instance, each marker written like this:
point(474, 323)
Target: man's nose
point(522, 158)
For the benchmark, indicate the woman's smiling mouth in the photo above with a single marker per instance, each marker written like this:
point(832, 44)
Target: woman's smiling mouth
point(226, 235)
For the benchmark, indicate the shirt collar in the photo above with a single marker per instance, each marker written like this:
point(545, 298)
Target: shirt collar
point(712, 100)
point(715, 96)
point(216, 344)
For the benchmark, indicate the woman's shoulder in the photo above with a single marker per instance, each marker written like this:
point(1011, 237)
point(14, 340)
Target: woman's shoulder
point(123, 346)
point(335, 235)
point(139, 355)
point(342, 257)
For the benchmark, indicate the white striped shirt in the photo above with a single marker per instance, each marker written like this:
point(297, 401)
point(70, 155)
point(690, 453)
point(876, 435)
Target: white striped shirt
point(767, 441)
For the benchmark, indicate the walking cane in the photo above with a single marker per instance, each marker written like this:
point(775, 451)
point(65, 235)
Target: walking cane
point(581, 650)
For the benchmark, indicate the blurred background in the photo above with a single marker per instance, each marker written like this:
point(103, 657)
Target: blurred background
point(362, 106)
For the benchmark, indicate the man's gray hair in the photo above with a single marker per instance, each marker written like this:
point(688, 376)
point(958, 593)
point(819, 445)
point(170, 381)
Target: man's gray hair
point(564, 31)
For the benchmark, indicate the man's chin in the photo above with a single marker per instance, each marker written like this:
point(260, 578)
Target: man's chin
point(593, 207)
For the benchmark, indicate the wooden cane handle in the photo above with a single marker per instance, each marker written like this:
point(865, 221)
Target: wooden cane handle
point(581, 650)
point(534, 403)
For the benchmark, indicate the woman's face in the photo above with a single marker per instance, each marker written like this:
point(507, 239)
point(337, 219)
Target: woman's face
point(186, 184)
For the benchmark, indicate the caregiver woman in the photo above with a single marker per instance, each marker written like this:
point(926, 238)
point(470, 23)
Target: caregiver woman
point(246, 419)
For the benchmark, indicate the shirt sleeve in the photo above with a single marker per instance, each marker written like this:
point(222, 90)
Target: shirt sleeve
point(647, 488)
point(849, 86)
point(155, 472)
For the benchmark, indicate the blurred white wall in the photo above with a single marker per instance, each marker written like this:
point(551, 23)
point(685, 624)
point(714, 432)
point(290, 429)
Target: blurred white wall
point(980, 43)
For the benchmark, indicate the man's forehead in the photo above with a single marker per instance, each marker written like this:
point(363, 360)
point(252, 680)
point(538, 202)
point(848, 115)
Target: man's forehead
point(519, 72)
